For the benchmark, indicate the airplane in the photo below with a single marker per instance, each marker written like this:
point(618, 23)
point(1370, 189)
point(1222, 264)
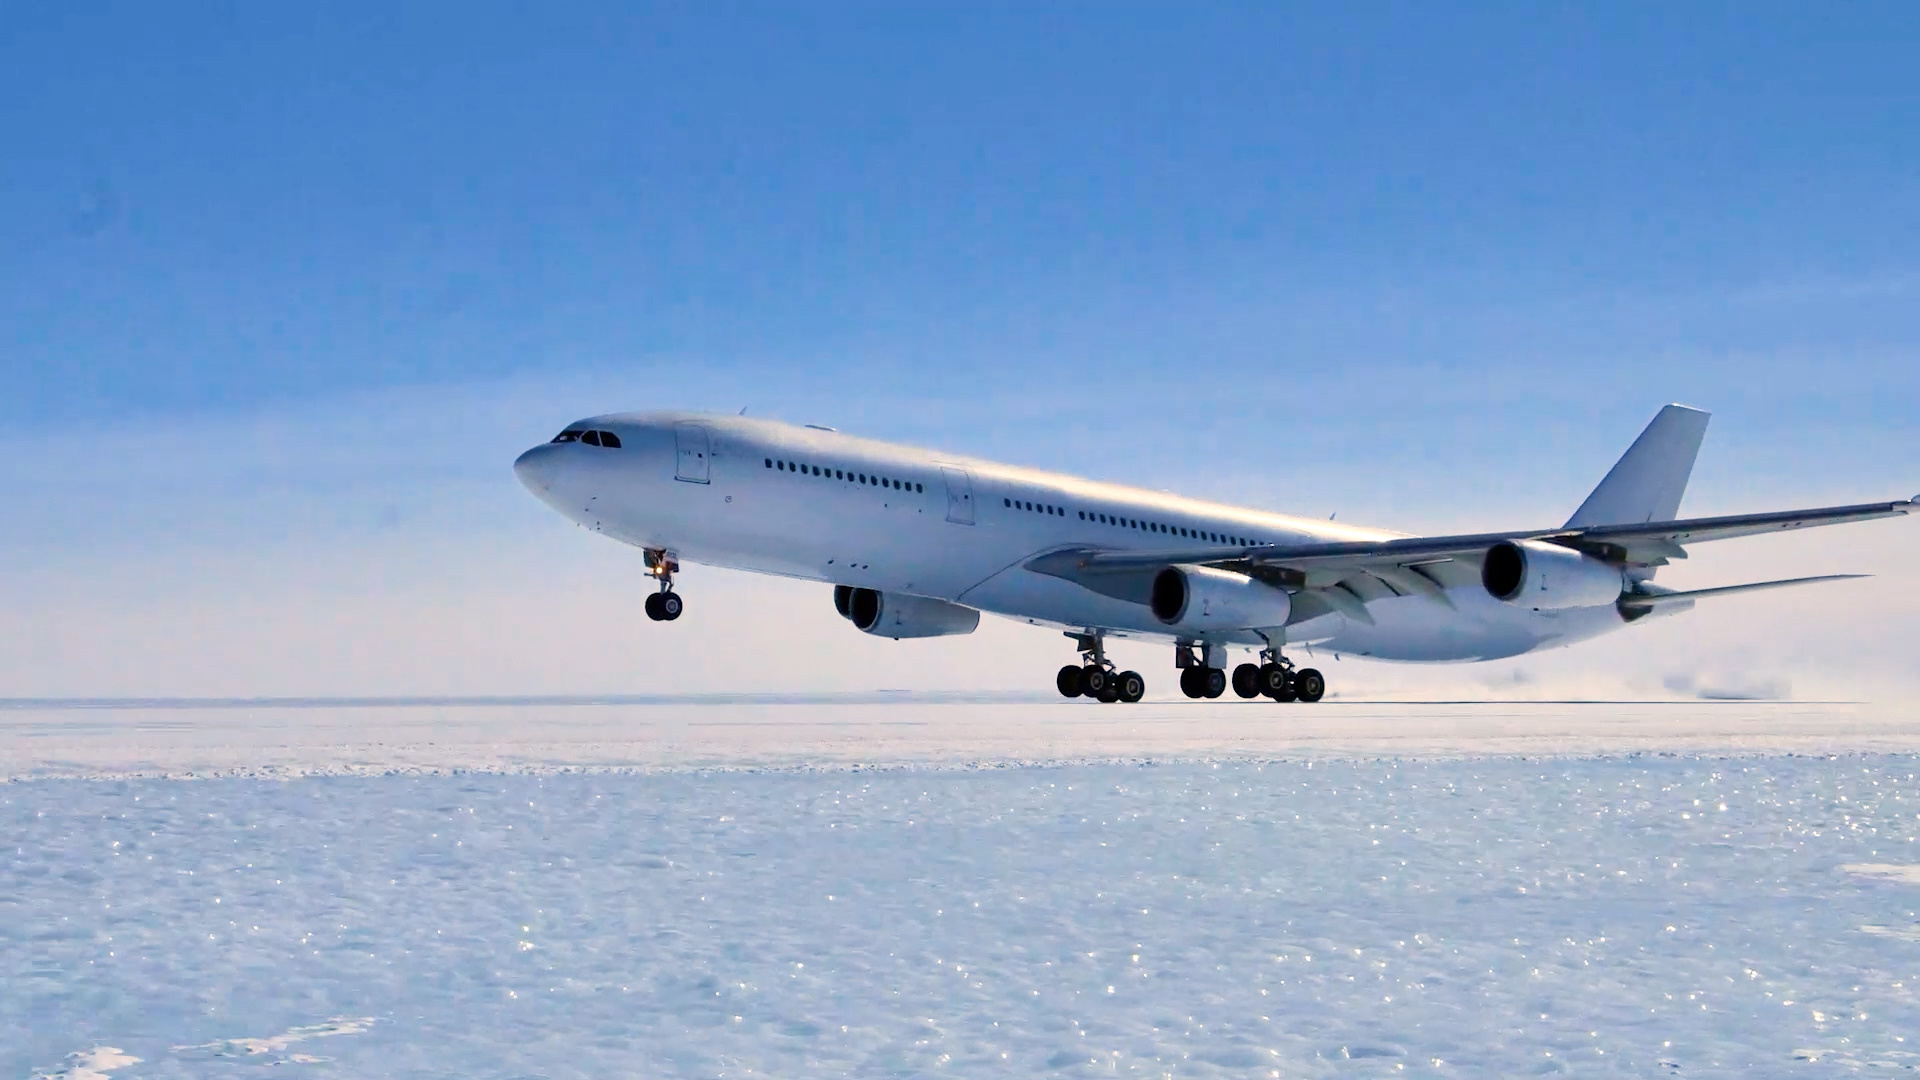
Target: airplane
point(917, 543)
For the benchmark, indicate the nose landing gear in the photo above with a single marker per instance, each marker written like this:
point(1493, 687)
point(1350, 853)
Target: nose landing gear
point(1095, 677)
point(665, 605)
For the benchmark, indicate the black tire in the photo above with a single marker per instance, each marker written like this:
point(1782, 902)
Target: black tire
point(1309, 684)
point(1094, 680)
point(1246, 680)
point(1111, 694)
point(670, 606)
point(1275, 682)
point(653, 606)
point(1068, 681)
point(1213, 683)
point(1130, 687)
point(1190, 682)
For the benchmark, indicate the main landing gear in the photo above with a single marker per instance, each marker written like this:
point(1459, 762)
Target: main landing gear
point(1275, 677)
point(1202, 675)
point(1095, 678)
point(665, 605)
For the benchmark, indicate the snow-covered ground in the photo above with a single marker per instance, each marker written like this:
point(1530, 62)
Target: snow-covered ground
point(1636, 915)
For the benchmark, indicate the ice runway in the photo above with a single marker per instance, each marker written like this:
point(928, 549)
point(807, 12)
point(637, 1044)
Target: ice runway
point(725, 889)
point(332, 737)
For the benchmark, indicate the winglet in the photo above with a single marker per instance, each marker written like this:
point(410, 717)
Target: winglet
point(1647, 482)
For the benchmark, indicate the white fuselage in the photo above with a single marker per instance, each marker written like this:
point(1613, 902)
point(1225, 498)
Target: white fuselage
point(811, 503)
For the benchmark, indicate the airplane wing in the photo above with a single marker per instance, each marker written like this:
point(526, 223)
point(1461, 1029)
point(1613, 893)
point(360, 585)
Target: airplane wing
point(1649, 544)
point(1344, 577)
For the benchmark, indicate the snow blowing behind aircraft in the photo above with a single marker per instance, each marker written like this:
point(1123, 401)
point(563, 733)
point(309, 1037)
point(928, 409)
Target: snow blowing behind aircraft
point(917, 543)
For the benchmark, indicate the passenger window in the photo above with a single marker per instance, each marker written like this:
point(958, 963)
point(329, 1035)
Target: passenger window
point(609, 440)
point(769, 462)
point(781, 465)
point(591, 438)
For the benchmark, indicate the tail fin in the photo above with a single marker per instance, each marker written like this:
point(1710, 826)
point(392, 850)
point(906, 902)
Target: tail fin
point(1648, 480)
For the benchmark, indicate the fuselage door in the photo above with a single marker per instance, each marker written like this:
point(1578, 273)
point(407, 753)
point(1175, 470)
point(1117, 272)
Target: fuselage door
point(695, 448)
point(959, 495)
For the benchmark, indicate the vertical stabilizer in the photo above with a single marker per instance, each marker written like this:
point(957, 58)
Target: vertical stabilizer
point(1648, 480)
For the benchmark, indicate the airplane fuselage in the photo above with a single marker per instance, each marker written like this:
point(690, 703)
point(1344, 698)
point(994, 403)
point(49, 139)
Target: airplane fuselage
point(815, 504)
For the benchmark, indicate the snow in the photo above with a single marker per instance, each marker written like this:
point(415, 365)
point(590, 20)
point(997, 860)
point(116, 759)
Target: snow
point(1633, 914)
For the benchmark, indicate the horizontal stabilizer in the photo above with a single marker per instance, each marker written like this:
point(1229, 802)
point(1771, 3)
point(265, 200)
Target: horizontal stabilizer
point(1647, 600)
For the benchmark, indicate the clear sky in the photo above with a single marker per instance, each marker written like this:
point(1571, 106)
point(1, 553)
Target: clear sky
point(283, 289)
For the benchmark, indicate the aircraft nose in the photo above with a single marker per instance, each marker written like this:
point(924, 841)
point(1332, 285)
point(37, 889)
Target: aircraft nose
point(535, 468)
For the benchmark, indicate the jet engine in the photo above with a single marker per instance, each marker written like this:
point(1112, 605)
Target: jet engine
point(896, 615)
point(1544, 576)
point(1201, 598)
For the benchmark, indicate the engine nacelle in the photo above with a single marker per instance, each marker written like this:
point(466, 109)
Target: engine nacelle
point(1201, 598)
point(896, 615)
point(1543, 575)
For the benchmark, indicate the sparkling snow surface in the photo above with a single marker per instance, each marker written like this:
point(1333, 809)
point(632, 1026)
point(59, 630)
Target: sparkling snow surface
point(1634, 916)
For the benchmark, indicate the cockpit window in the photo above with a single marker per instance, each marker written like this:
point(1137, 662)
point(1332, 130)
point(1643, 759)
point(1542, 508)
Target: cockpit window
point(609, 440)
point(569, 435)
point(591, 438)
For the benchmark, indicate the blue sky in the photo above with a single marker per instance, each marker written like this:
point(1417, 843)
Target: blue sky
point(286, 287)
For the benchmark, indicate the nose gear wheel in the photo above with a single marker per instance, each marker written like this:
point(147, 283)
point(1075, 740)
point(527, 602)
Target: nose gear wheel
point(664, 605)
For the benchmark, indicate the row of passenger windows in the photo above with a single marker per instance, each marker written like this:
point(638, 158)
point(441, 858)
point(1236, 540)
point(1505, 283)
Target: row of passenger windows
point(592, 438)
point(840, 474)
point(1131, 523)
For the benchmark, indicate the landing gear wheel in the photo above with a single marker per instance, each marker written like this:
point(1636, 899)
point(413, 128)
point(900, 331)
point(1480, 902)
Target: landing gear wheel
point(1094, 681)
point(1110, 695)
point(1246, 680)
point(1309, 684)
point(653, 607)
point(1213, 683)
point(1276, 682)
point(669, 605)
point(1190, 684)
point(1130, 687)
point(1068, 681)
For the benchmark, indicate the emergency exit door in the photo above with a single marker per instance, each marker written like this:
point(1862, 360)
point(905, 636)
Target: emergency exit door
point(695, 448)
point(959, 495)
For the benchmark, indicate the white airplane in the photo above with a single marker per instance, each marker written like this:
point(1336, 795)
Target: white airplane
point(917, 543)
